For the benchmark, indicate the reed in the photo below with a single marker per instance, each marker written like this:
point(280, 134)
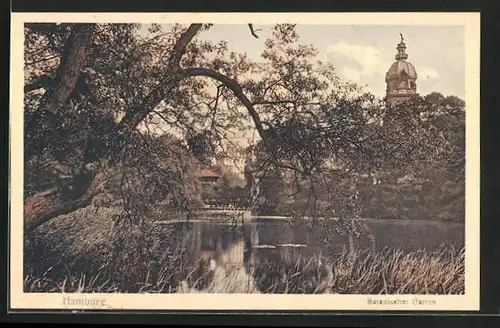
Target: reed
point(392, 271)
point(387, 272)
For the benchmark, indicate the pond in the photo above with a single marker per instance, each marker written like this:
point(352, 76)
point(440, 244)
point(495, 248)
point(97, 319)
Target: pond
point(277, 256)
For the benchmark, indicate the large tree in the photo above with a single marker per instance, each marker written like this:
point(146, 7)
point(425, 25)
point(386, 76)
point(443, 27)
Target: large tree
point(97, 96)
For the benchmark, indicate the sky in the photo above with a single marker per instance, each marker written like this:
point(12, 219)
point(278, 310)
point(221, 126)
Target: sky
point(364, 53)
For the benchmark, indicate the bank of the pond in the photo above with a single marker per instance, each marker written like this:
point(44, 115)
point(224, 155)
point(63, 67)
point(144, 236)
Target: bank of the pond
point(390, 271)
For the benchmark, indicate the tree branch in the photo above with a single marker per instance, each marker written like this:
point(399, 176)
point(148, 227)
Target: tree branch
point(137, 114)
point(40, 82)
point(235, 88)
point(252, 31)
point(181, 44)
point(41, 60)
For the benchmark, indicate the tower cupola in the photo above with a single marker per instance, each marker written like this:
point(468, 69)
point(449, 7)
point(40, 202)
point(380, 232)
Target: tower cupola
point(401, 76)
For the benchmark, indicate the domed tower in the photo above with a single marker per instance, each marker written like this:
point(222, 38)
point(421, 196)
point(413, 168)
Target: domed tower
point(401, 77)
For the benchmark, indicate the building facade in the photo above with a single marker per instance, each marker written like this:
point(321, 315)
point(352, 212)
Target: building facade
point(401, 77)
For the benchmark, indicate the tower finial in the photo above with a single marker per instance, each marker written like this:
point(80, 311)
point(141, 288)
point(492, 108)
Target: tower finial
point(401, 55)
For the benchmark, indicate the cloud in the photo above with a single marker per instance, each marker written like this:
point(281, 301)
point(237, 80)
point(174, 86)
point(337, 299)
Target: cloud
point(351, 74)
point(428, 73)
point(366, 57)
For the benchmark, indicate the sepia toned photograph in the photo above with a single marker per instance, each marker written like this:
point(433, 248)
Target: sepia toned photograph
point(299, 158)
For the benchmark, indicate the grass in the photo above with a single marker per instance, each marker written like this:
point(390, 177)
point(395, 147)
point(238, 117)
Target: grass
point(394, 272)
point(385, 272)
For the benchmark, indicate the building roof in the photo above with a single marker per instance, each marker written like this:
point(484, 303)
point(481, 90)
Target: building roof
point(400, 68)
point(208, 174)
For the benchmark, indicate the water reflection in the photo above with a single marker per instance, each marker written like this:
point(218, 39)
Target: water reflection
point(278, 257)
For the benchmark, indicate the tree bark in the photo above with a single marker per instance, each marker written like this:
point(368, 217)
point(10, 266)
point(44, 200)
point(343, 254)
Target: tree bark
point(71, 64)
point(48, 204)
point(60, 88)
point(45, 205)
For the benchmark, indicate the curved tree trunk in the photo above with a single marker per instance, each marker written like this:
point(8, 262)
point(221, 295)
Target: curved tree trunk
point(48, 204)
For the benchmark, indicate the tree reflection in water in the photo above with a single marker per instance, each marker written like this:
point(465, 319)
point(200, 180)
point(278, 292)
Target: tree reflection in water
point(224, 259)
point(289, 270)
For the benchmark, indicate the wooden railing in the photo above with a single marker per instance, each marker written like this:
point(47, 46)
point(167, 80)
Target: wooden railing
point(222, 210)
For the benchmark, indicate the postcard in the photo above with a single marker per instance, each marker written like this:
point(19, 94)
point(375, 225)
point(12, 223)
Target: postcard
point(244, 161)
